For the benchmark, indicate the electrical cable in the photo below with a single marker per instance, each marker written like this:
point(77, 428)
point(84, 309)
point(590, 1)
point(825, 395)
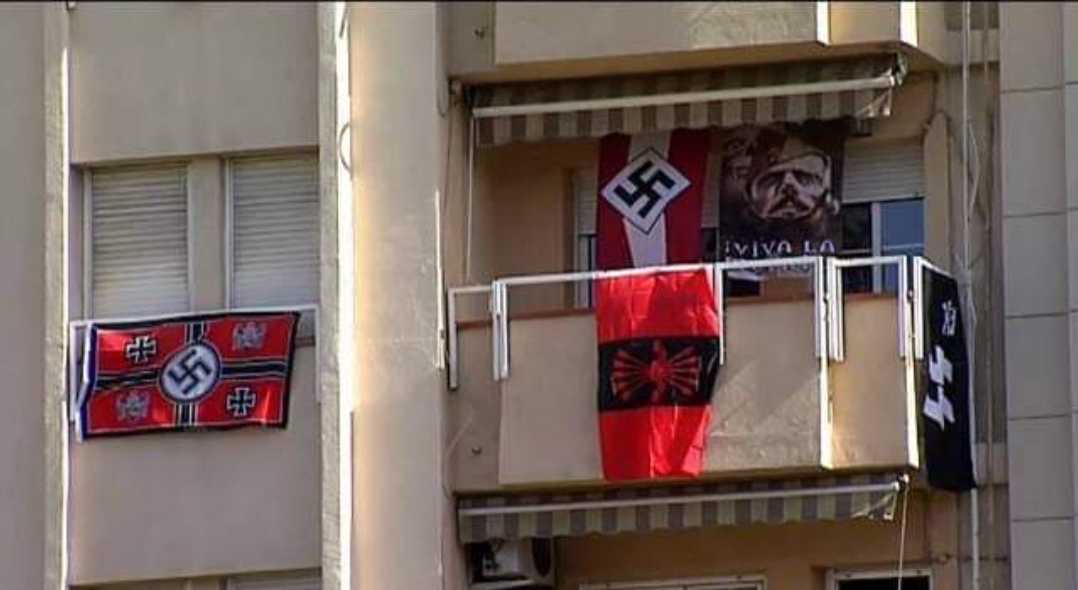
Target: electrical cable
point(902, 533)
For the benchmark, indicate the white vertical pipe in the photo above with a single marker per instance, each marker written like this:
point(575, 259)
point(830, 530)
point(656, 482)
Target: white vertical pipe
point(968, 276)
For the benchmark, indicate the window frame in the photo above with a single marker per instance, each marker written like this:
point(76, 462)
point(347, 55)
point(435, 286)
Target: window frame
point(705, 583)
point(268, 581)
point(230, 219)
point(835, 576)
point(87, 222)
point(876, 248)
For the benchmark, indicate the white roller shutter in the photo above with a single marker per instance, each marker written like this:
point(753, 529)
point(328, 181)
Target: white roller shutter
point(302, 581)
point(275, 235)
point(883, 171)
point(584, 201)
point(138, 241)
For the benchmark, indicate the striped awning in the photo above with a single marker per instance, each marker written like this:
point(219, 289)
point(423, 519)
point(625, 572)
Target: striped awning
point(793, 92)
point(511, 517)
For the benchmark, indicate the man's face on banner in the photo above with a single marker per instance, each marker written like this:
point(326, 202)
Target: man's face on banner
point(792, 189)
point(774, 176)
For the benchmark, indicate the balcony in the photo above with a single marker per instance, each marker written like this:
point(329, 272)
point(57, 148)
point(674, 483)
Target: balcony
point(813, 380)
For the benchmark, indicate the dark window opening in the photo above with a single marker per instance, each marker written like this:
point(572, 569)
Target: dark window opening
point(908, 583)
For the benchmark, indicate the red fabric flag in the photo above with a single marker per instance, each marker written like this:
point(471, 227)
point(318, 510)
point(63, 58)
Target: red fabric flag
point(194, 372)
point(658, 333)
point(658, 362)
point(651, 198)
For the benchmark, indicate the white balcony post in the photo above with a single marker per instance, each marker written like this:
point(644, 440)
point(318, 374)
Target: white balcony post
point(918, 304)
point(503, 330)
point(903, 307)
point(495, 327)
point(819, 306)
point(836, 320)
point(454, 333)
point(720, 302)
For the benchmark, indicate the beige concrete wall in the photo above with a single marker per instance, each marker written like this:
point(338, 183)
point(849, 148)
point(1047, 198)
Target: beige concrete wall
point(152, 80)
point(918, 25)
point(176, 505)
point(767, 405)
point(791, 556)
point(22, 319)
point(545, 31)
point(475, 415)
point(1038, 135)
point(873, 381)
point(399, 140)
point(864, 22)
point(504, 41)
point(523, 216)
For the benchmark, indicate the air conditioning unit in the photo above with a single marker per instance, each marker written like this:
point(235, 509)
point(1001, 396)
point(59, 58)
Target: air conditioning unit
point(527, 563)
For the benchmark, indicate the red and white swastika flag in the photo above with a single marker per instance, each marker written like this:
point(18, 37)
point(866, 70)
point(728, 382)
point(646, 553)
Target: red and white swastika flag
point(193, 372)
point(651, 198)
point(658, 333)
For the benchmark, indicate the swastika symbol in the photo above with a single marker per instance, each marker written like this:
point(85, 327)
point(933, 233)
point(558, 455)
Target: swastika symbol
point(191, 373)
point(643, 189)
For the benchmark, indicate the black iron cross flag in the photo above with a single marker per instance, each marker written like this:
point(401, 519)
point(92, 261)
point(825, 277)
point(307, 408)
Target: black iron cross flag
point(945, 375)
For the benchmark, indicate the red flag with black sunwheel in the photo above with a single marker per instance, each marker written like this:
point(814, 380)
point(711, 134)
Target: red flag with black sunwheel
point(658, 340)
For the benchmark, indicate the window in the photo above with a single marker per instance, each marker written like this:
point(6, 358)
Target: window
point(919, 579)
point(882, 214)
point(913, 583)
point(257, 215)
point(274, 211)
point(734, 583)
point(883, 209)
point(135, 234)
point(880, 229)
point(283, 581)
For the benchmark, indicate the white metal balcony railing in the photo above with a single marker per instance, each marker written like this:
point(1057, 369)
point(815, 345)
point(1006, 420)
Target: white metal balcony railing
point(827, 293)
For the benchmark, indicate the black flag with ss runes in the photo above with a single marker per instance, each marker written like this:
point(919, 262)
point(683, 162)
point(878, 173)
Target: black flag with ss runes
point(945, 412)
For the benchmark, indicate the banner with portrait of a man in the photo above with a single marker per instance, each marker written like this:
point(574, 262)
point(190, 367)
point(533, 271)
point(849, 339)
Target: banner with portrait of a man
point(779, 191)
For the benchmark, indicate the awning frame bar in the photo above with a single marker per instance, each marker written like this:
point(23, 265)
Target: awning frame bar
point(883, 82)
point(894, 486)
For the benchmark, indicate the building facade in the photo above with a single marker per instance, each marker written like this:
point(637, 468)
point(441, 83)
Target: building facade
point(420, 180)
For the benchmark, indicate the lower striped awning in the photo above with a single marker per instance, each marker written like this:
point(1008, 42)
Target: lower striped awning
point(511, 517)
